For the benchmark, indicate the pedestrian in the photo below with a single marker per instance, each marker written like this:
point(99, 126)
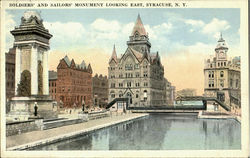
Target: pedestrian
point(35, 109)
point(83, 105)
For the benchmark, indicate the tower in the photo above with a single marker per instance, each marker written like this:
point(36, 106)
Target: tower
point(139, 38)
point(32, 45)
point(221, 49)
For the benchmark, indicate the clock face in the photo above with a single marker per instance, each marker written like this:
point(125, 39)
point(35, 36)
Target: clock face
point(221, 54)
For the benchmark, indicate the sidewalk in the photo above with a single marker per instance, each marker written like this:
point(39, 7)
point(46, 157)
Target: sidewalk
point(55, 133)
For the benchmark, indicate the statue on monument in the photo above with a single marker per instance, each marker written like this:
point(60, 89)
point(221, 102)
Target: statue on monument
point(24, 85)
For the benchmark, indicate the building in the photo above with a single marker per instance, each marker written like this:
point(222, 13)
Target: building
point(222, 76)
point(100, 90)
point(72, 85)
point(170, 93)
point(10, 73)
point(138, 74)
point(186, 92)
point(52, 84)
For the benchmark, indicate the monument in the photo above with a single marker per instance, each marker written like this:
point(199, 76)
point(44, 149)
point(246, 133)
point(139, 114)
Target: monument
point(31, 69)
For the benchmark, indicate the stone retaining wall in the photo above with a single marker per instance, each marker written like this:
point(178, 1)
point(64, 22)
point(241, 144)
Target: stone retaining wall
point(14, 128)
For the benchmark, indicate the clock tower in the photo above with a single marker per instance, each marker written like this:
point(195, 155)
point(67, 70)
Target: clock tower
point(221, 49)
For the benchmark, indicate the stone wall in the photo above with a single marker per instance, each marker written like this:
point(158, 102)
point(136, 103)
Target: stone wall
point(19, 127)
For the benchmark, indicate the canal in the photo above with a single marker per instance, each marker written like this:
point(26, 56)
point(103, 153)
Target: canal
point(159, 132)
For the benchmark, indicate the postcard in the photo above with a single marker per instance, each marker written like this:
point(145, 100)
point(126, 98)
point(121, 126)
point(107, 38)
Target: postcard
point(124, 78)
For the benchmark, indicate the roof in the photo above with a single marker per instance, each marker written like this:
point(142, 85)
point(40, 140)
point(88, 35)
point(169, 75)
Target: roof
point(52, 75)
point(137, 54)
point(66, 59)
point(139, 27)
point(113, 56)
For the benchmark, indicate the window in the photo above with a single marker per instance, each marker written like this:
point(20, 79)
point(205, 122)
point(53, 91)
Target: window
point(237, 83)
point(112, 85)
point(112, 95)
point(137, 96)
point(212, 85)
point(136, 66)
point(145, 95)
point(218, 64)
point(212, 74)
point(128, 84)
point(128, 67)
point(209, 74)
point(137, 75)
point(222, 74)
point(222, 83)
point(137, 84)
point(145, 84)
point(120, 84)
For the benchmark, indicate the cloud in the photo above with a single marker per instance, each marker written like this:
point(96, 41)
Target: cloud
point(215, 26)
point(65, 34)
point(197, 23)
point(9, 25)
point(105, 25)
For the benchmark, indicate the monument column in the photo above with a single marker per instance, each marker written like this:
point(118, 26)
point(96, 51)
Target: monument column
point(17, 69)
point(34, 70)
point(45, 74)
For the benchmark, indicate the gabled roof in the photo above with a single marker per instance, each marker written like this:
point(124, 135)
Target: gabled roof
point(66, 59)
point(139, 27)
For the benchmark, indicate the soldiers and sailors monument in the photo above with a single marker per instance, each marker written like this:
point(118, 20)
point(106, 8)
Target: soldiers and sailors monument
point(31, 41)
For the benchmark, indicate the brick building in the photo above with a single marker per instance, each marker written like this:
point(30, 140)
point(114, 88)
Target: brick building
point(72, 84)
point(100, 90)
point(10, 73)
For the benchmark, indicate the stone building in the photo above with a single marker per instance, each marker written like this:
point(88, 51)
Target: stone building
point(170, 93)
point(222, 76)
point(72, 85)
point(10, 73)
point(52, 84)
point(138, 74)
point(100, 90)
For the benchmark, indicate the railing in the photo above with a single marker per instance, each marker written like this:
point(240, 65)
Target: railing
point(116, 100)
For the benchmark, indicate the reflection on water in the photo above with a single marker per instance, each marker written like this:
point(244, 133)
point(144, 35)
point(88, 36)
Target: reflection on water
point(159, 132)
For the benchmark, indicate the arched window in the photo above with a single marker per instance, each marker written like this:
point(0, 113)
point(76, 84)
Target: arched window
point(222, 74)
point(145, 95)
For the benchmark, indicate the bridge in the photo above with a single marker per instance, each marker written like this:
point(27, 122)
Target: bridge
point(171, 108)
point(204, 100)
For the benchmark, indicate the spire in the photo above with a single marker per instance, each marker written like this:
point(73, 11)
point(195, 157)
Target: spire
point(139, 27)
point(89, 69)
point(114, 56)
point(221, 38)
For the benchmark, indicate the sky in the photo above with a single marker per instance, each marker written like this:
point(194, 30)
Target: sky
point(183, 37)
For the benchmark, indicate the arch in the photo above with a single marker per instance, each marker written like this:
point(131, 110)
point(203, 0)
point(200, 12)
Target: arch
point(129, 95)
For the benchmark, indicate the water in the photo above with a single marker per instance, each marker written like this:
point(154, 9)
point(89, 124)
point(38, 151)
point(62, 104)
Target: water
point(159, 132)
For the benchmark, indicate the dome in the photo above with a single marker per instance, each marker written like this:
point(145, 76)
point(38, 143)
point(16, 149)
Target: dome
point(28, 14)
